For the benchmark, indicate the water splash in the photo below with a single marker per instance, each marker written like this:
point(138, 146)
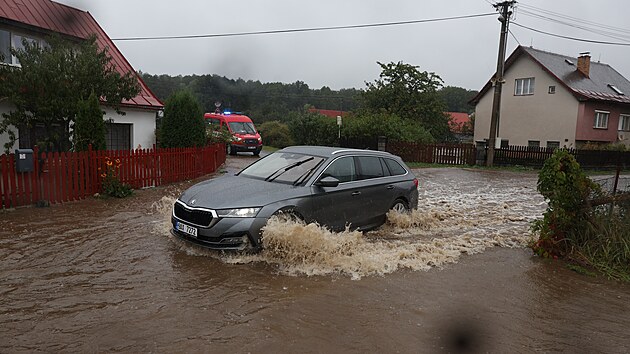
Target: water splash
point(439, 233)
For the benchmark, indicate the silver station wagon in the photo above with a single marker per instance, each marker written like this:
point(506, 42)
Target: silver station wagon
point(335, 187)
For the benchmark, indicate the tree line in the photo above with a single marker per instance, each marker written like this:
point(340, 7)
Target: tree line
point(273, 101)
point(403, 103)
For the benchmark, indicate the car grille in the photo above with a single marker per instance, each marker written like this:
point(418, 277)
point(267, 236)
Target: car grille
point(197, 217)
point(251, 141)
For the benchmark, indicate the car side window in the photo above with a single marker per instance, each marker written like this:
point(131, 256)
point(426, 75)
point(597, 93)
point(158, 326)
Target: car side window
point(370, 167)
point(342, 169)
point(394, 167)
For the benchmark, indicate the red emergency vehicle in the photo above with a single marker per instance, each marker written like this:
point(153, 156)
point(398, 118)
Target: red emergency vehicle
point(245, 137)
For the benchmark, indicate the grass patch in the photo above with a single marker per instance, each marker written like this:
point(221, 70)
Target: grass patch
point(270, 149)
point(580, 269)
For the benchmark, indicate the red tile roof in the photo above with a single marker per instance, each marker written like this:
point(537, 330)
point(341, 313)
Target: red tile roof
point(457, 121)
point(329, 112)
point(55, 17)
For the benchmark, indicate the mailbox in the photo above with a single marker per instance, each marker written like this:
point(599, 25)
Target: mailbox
point(24, 160)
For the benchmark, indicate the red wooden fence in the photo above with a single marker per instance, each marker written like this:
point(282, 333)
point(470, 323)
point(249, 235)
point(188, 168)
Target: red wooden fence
point(62, 177)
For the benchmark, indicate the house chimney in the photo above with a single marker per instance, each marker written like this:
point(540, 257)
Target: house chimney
point(584, 63)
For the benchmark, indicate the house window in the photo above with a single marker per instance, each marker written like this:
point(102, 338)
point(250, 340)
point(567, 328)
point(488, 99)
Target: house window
point(18, 44)
point(524, 86)
point(118, 136)
point(552, 90)
point(553, 144)
point(601, 120)
point(48, 138)
point(5, 47)
point(624, 122)
point(10, 40)
point(533, 143)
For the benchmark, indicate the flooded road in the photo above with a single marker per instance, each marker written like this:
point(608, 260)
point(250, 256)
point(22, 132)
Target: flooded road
point(106, 275)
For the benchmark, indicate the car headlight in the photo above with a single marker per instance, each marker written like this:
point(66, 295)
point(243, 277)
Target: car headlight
point(236, 138)
point(238, 213)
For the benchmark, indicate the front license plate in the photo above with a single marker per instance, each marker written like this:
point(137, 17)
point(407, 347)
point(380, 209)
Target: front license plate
point(251, 147)
point(192, 231)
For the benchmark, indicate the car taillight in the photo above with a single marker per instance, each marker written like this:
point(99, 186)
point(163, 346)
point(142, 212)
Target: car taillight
point(415, 182)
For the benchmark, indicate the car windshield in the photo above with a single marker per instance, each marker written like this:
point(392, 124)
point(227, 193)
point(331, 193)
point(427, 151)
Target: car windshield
point(283, 167)
point(242, 127)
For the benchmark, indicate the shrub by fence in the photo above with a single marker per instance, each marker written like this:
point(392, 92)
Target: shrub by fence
point(62, 177)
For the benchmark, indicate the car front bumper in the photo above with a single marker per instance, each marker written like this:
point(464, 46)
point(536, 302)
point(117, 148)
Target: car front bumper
point(246, 147)
point(225, 233)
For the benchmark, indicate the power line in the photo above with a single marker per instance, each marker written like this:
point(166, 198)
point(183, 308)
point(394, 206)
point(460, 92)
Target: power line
point(585, 28)
point(513, 36)
point(571, 38)
point(312, 29)
point(575, 19)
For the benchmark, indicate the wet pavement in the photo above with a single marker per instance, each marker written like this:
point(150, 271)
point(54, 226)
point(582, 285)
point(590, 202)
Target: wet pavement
point(106, 276)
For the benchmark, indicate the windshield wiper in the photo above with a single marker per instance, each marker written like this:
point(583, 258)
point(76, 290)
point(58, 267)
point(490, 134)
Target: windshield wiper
point(284, 169)
point(305, 175)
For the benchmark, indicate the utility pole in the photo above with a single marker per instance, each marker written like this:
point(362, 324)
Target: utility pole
point(505, 8)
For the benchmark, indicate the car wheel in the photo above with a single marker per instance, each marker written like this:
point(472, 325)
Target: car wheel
point(400, 206)
point(257, 152)
point(288, 215)
point(231, 150)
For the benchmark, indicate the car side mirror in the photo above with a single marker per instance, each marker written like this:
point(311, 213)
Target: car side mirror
point(328, 181)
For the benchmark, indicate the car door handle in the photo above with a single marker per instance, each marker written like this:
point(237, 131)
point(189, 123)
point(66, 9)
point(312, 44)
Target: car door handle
point(390, 187)
point(355, 193)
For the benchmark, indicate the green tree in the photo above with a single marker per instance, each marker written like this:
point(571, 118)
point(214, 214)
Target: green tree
point(367, 124)
point(275, 134)
point(456, 99)
point(410, 94)
point(52, 81)
point(183, 124)
point(89, 128)
point(309, 128)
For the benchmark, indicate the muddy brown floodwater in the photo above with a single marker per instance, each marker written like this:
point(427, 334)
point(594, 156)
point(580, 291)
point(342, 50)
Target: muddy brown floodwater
point(106, 276)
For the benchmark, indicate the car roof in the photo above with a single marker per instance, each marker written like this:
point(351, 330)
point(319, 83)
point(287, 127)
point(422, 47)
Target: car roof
point(228, 117)
point(328, 151)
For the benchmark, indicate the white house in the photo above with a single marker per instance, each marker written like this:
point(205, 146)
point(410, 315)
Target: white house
point(554, 100)
point(34, 20)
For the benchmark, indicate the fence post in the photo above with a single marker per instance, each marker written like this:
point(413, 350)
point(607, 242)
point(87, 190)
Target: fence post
point(35, 178)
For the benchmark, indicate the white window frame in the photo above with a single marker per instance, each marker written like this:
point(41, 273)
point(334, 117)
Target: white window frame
point(524, 86)
point(600, 120)
point(624, 122)
point(553, 144)
point(15, 41)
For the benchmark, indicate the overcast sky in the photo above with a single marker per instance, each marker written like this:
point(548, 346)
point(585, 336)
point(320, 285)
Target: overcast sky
point(463, 52)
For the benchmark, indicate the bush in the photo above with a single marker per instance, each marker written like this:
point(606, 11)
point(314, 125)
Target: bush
point(368, 125)
point(309, 128)
point(112, 186)
point(275, 134)
point(566, 189)
point(598, 237)
point(89, 127)
point(183, 124)
point(217, 135)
